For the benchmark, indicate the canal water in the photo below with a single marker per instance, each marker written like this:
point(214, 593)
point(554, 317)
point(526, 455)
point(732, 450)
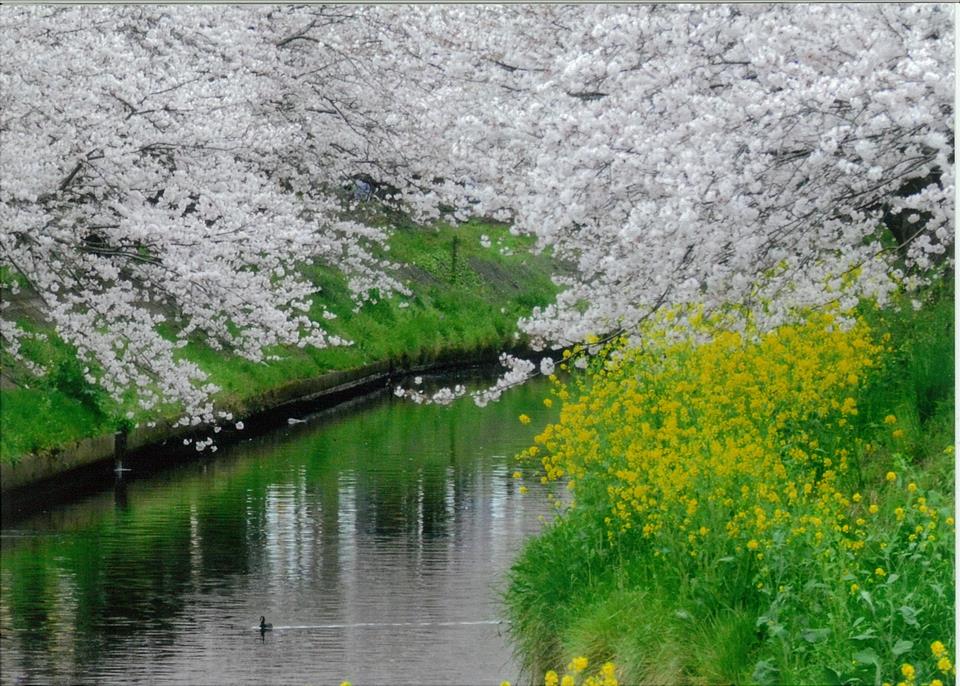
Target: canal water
point(375, 538)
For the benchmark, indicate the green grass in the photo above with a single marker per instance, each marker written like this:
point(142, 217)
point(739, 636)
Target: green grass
point(54, 419)
point(467, 305)
point(573, 592)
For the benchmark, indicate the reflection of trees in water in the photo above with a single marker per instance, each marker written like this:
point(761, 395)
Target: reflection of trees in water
point(226, 533)
point(404, 489)
point(327, 496)
point(29, 588)
point(81, 600)
point(71, 603)
point(130, 573)
point(417, 480)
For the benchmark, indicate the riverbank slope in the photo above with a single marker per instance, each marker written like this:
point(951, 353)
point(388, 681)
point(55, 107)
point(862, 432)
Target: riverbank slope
point(777, 509)
point(469, 285)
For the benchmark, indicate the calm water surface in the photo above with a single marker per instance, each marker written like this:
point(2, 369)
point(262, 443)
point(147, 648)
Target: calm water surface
point(374, 538)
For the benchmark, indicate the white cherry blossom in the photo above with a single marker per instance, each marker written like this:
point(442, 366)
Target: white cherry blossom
point(167, 169)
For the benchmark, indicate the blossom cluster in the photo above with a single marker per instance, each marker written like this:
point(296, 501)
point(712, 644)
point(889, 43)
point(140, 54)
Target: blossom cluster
point(168, 170)
point(518, 370)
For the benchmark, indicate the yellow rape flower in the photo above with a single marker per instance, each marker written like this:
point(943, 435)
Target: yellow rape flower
point(889, 419)
point(551, 678)
point(908, 671)
point(891, 476)
point(911, 487)
point(524, 419)
point(938, 649)
point(714, 402)
point(897, 433)
point(578, 664)
point(523, 490)
point(567, 680)
point(944, 665)
point(879, 571)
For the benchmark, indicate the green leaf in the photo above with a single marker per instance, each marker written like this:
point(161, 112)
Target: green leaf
point(869, 657)
point(832, 677)
point(765, 673)
point(814, 635)
point(909, 615)
point(901, 647)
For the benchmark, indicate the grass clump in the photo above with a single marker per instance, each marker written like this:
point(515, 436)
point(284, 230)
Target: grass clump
point(753, 508)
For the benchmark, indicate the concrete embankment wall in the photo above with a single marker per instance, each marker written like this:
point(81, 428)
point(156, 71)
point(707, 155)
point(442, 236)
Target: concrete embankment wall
point(36, 478)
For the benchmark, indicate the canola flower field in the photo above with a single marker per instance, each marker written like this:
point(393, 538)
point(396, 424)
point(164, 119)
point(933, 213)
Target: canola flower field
point(749, 507)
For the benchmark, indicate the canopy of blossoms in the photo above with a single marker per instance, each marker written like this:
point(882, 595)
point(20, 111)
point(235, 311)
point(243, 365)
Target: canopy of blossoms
point(166, 170)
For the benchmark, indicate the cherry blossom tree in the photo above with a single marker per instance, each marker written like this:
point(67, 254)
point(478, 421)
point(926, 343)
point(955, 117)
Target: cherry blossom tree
point(762, 156)
point(189, 159)
point(684, 154)
point(156, 173)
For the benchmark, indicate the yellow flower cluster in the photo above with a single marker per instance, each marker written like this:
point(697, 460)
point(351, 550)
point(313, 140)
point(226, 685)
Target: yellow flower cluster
point(703, 439)
point(769, 466)
point(607, 676)
point(740, 452)
point(943, 666)
point(942, 657)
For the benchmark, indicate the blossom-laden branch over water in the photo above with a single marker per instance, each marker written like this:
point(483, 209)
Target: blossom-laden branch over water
point(167, 170)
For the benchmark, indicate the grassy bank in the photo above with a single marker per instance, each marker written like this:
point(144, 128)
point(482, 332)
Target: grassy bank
point(774, 509)
point(466, 298)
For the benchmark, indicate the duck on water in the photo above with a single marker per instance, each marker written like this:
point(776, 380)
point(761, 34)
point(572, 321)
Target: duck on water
point(264, 626)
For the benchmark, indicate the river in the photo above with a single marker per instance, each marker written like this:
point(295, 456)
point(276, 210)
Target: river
point(375, 538)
